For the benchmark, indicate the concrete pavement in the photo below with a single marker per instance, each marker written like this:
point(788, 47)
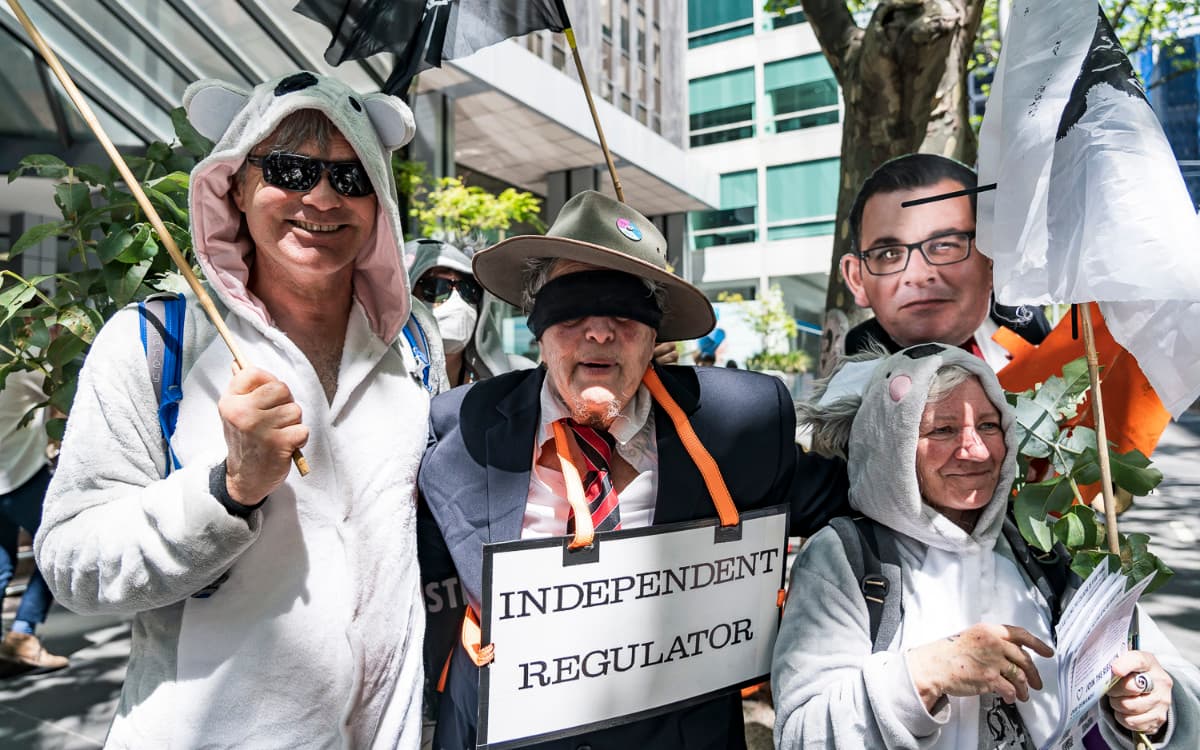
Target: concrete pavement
point(71, 709)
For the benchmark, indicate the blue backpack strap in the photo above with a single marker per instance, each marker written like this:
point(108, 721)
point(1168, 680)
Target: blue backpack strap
point(162, 341)
point(419, 351)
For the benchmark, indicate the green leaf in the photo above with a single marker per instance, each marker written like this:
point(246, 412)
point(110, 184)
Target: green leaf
point(1132, 471)
point(96, 174)
point(122, 281)
point(1071, 445)
point(42, 165)
point(1033, 505)
point(188, 136)
point(64, 395)
point(1083, 562)
point(55, 428)
point(1037, 428)
point(79, 322)
point(1087, 467)
point(36, 235)
point(158, 151)
point(163, 200)
point(64, 348)
point(142, 248)
point(74, 198)
point(1077, 528)
point(173, 183)
point(113, 245)
point(13, 299)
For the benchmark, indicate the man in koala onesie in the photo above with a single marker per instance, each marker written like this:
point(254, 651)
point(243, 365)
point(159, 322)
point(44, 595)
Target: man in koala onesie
point(313, 637)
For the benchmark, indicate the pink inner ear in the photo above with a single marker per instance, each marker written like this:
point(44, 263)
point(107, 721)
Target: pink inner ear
point(899, 387)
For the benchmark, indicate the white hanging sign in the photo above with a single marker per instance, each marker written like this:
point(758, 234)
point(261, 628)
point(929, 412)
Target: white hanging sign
point(646, 621)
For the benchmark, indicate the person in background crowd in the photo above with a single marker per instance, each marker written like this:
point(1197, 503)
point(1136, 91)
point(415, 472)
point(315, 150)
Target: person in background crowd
point(467, 316)
point(24, 476)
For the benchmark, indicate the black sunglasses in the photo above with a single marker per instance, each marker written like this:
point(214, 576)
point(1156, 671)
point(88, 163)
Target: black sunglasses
point(435, 290)
point(302, 173)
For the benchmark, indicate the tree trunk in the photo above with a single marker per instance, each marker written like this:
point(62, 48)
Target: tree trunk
point(903, 80)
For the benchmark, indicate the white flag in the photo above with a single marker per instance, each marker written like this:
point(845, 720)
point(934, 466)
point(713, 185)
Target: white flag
point(1090, 204)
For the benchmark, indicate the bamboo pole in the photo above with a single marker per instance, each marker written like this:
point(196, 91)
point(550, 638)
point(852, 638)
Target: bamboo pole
point(135, 187)
point(587, 92)
point(1093, 364)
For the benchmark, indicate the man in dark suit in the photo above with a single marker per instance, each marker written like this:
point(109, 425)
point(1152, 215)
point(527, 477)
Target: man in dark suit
point(599, 296)
point(918, 269)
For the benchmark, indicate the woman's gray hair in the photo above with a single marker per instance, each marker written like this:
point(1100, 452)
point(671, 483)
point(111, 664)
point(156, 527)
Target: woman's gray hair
point(946, 379)
point(537, 272)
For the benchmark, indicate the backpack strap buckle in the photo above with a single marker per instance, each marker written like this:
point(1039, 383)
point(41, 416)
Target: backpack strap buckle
point(875, 587)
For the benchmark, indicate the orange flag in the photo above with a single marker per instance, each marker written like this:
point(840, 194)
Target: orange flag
point(1133, 414)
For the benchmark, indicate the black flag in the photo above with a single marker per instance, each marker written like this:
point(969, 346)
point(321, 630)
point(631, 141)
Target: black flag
point(423, 33)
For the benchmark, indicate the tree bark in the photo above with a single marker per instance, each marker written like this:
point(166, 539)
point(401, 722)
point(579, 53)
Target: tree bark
point(904, 85)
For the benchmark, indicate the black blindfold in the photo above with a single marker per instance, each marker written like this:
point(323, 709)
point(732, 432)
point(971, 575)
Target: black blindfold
point(593, 293)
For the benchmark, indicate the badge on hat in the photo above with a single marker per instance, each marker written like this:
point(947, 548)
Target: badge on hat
point(629, 229)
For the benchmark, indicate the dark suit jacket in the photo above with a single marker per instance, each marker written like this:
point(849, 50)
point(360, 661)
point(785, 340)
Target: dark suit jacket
point(1029, 323)
point(475, 478)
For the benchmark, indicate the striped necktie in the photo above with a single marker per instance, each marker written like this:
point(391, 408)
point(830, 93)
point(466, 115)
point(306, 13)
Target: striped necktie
point(597, 448)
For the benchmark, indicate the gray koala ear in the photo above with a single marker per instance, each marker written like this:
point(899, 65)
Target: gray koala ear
point(211, 105)
point(392, 120)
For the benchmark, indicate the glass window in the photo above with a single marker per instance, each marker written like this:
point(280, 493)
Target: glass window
point(802, 198)
point(712, 21)
point(793, 17)
point(704, 14)
point(802, 92)
point(734, 222)
point(721, 107)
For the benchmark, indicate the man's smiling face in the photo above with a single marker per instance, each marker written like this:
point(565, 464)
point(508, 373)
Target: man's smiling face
point(305, 235)
point(595, 363)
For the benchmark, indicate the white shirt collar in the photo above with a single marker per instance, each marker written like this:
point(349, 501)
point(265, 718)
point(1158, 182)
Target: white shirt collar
point(628, 423)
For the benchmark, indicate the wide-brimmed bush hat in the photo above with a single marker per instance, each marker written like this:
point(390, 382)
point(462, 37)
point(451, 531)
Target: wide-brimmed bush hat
point(600, 231)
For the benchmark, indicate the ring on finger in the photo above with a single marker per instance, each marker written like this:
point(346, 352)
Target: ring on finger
point(1143, 682)
point(1011, 672)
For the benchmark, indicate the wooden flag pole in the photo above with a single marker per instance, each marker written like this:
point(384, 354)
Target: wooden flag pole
point(1093, 363)
point(1110, 503)
point(587, 92)
point(135, 187)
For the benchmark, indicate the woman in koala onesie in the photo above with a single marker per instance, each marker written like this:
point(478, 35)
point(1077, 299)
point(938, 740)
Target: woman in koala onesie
point(931, 456)
point(313, 637)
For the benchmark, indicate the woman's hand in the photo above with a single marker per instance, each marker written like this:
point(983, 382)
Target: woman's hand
point(1134, 707)
point(984, 658)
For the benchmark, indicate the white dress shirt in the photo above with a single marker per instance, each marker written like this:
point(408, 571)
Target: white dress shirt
point(546, 507)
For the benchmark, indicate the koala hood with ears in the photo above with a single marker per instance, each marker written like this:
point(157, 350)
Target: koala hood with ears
point(237, 121)
point(877, 433)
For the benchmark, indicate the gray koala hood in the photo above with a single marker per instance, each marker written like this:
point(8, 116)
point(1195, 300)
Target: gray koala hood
point(883, 449)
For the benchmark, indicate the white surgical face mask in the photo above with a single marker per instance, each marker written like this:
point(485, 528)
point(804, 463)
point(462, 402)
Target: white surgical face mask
point(456, 320)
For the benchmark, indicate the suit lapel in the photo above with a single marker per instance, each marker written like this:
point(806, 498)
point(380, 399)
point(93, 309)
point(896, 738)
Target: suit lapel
point(510, 458)
point(682, 495)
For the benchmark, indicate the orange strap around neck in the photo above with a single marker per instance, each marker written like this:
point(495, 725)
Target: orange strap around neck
point(699, 454)
point(564, 446)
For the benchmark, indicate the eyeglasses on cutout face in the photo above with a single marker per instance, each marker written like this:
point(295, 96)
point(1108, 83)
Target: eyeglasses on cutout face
point(301, 173)
point(939, 250)
point(436, 290)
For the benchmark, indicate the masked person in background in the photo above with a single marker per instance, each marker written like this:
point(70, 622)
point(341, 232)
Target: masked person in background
point(467, 316)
